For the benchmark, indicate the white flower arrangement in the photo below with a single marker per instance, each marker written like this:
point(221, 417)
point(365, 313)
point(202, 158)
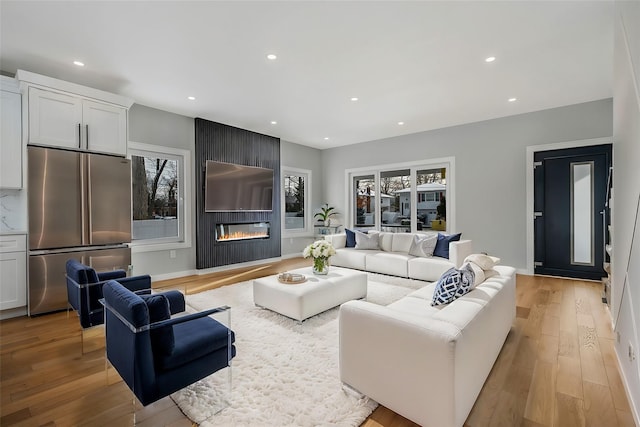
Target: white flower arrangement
point(319, 249)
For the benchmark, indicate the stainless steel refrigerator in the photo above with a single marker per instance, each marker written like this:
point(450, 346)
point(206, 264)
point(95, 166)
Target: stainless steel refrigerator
point(79, 207)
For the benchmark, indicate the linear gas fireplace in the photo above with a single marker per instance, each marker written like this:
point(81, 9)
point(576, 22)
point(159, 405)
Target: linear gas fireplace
point(242, 231)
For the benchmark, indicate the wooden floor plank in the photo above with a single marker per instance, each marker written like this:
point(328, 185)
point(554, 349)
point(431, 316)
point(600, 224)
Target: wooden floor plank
point(541, 399)
point(50, 376)
point(598, 406)
point(569, 411)
point(569, 379)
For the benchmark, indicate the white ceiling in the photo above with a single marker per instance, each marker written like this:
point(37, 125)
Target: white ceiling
point(422, 63)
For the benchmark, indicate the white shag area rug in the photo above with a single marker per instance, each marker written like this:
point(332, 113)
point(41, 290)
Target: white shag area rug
point(285, 373)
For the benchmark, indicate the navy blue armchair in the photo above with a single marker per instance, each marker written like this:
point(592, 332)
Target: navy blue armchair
point(84, 290)
point(157, 355)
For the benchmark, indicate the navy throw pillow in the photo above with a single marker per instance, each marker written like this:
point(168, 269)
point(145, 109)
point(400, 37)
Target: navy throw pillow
point(442, 245)
point(351, 238)
point(453, 284)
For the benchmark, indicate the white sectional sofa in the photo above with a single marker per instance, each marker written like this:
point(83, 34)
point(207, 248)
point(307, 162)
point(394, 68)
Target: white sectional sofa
point(393, 257)
point(427, 363)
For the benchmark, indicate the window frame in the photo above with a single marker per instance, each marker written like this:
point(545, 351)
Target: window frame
point(307, 230)
point(183, 240)
point(444, 162)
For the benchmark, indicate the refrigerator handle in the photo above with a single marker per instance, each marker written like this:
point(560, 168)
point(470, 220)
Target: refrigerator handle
point(88, 214)
point(83, 198)
point(87, 133)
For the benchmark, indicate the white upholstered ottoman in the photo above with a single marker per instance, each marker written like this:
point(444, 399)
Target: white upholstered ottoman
point(317, 294)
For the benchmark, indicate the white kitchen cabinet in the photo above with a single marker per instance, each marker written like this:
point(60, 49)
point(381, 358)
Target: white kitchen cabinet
point(67, 115)
point(13, 271)
point(105, 127)
point(62, 120)
point(11, 135)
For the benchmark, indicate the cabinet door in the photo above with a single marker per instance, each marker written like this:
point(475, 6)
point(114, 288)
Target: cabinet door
point(54, 119)
point(11, 137)
point(13, 280)
point(105, 127)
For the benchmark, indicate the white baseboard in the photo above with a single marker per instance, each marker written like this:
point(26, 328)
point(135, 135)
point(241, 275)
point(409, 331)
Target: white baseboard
point(632, 404)
point(13, 312)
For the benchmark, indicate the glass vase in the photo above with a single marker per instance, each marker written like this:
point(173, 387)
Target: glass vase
point(320, 266)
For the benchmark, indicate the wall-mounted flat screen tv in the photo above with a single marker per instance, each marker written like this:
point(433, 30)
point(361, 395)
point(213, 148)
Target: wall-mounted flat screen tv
point(232, 187)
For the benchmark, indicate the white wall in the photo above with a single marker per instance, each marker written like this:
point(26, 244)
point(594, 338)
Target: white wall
point(626, 183)
point(489, 168)
point(157, 127)
point(302, 157)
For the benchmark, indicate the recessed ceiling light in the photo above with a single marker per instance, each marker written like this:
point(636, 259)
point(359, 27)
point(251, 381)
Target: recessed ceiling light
point(326, 138)
point(513, 99)
point(272, 57)
point(191, 98)
point(78, 63)
point(354, 98)
point(400, 123)
point(490, 59)
point(273, 122)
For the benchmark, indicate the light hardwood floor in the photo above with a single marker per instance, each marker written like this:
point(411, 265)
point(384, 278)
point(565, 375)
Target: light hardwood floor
point(557, 367)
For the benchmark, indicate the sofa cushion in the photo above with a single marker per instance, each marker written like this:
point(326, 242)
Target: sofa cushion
point(453, 284)
point(423, 245)
point(392, 263)
point(366, 241)
point(386, 240)
point(350, 258)
point(429, 269)
point(196, 339)
point(442, 246)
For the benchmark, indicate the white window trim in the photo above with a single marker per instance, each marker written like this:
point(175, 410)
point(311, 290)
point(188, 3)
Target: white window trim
point(185, 198)
point(308, 224)
point(442, 162)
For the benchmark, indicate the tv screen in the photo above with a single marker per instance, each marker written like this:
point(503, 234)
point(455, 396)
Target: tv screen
point(232, 187)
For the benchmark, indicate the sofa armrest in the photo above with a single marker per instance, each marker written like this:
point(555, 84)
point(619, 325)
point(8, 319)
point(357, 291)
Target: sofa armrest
point(397, 359)
point(338, 241)
point(459, 250)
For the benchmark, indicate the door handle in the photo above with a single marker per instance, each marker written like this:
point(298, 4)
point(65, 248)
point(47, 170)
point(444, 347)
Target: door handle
point(87, 132)
point(79, 135)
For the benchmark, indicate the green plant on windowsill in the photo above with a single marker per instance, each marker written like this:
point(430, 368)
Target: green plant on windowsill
point(326, 212)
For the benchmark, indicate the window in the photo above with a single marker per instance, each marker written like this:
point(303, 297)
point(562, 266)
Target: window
point(410, 196)
point(364, 191)
point(159, 190)
point(296, 189)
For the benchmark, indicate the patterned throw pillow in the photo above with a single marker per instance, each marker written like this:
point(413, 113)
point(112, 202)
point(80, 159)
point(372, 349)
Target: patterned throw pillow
point(453, 284)
point(423, 246)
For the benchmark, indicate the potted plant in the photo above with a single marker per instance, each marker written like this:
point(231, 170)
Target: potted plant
point(325, 213)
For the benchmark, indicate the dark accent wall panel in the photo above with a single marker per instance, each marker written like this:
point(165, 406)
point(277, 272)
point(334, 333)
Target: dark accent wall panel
point(216, 141)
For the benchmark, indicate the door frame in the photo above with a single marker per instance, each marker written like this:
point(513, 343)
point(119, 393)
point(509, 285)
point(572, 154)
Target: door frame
point(531, 150)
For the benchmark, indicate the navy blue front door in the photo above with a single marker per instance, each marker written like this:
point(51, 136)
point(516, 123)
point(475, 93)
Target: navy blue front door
point(570, 187)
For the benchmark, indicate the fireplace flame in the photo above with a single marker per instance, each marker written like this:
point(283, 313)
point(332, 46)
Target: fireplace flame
point(241, 235)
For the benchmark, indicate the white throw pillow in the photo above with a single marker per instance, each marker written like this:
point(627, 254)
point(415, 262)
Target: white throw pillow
point(479, 276)
point(423, 246)
point(484, 261)
point(367, 241)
